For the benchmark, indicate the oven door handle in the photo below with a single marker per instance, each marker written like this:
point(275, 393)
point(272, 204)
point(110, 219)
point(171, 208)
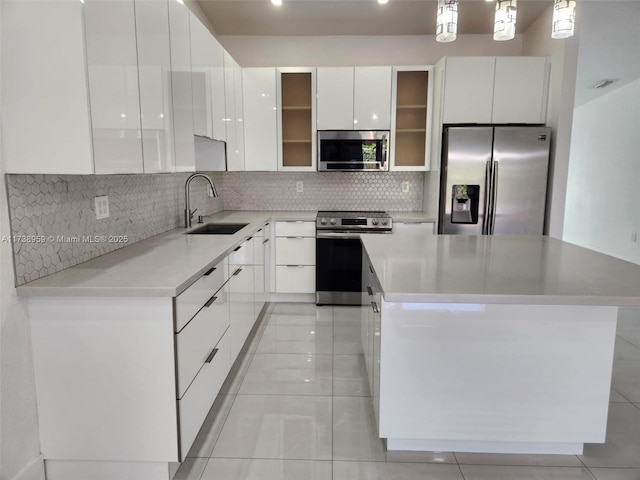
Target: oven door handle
point(337, 235)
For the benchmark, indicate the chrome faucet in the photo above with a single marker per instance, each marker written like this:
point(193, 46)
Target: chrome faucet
point(188, 214)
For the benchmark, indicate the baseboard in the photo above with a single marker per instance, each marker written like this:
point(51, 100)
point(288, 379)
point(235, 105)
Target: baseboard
point(33, 471)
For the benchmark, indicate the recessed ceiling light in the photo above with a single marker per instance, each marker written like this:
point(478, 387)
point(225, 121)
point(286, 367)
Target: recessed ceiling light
point(276, 2)
point(382, 2)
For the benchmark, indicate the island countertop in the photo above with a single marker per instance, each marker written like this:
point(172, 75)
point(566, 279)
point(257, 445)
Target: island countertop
point(498, 269)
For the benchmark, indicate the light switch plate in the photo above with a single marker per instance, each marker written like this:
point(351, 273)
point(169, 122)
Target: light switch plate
point(102, 207)
point(299, 187)
point(405, 187)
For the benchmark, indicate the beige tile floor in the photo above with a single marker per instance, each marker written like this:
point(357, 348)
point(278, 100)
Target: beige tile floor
point(297, 407)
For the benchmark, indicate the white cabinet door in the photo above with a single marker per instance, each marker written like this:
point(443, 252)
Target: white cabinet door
point(112, 65)
point(520, 90)
point(233, 103)
point(422, 228)
point(202, 53)
point(217, 91)
point(154, 63)
point(241, 306)
point(335, 98)
point(260, 119)
point(181, 85)
point(295, 279)
point(372, 98)
point(45, 98)
point(468, 90)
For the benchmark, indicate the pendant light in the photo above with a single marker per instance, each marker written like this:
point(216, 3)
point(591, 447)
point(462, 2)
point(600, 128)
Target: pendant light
point(447, 21)
point(504, 27)
point(564, 18)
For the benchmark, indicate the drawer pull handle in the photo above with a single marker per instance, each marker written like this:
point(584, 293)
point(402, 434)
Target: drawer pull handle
point(266, 240)
point(249, 238)
point(295, 237)
point(295, 266)
point(237, 248)
point(237, 272)
point(211, 355)
point(210, 271)
point(371, 268)
point(374, 305)
point(370, 291)
point(293, 221)
point(210, 301)
point(259, 230)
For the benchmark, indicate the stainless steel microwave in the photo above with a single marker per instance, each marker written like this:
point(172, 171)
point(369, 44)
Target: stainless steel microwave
point(353, 151)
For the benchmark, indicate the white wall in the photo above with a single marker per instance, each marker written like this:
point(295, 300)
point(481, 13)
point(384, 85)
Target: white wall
point(283, 51)
point(603, 192)
point(563, 55)
point(19, 446)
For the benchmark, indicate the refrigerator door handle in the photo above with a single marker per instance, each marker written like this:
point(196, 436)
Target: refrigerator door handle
point(487, 199)
point(494, 194)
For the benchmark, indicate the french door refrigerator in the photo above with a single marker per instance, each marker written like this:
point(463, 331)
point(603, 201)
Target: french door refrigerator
point(494, 180)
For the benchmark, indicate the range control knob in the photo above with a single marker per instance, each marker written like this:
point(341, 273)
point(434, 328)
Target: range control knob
point(374, 221)
point(332, 221)
point(323, 221)
point(385, 221)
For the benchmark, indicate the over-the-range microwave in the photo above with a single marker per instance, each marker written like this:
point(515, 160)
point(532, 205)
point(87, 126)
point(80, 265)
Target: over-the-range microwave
point(353, 151)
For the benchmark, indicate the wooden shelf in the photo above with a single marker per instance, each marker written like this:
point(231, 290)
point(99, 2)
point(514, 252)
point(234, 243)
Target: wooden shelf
point(301, 107)
point(297, 145)
point(399, 107)
point(411, 118)
point(296, 141)
point(410, 130)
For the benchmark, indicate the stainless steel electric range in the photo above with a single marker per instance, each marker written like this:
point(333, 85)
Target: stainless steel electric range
point(339, 253)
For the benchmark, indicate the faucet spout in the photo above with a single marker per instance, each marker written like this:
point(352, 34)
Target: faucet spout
point(188, 214)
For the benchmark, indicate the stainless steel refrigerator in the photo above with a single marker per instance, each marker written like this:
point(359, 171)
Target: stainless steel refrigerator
point(494, 180)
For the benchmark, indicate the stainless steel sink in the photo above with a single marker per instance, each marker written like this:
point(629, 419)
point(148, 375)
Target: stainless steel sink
point(218, 229)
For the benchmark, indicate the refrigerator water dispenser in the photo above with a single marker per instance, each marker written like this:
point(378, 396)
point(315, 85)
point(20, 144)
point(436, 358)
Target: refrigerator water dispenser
point(464, 203)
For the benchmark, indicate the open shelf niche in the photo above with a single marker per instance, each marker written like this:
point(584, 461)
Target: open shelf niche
point(296, 119)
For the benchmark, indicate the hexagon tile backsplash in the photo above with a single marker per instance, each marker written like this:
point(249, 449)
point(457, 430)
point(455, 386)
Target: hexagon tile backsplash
point(54, 225)
point(53, 220)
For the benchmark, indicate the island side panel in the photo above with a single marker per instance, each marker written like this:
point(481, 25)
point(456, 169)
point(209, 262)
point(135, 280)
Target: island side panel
point(525, 378)
point(105, 378)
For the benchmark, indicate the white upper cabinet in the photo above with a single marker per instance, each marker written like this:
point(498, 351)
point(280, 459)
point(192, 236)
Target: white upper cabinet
point(296, 109)
point(233, 119)
point(372, 98)
point(154, 65)
point(260, 119)
point(468, 90)
point(495, 90)
point(182, 96)
point(520, 90)
point(207, 59)
point(335, 98)
point(45, 97)
point(112, 64)
point(354, 98)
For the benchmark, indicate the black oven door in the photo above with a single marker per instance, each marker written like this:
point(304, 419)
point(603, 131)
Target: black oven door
point(338, 268)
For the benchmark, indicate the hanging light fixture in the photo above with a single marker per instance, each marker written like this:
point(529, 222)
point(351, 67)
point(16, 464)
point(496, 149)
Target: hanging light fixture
point(447, 21)
point(564, 18)
point(504, 26)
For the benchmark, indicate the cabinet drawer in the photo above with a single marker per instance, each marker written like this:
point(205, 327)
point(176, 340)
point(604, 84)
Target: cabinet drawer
point(295, 251)
point(259, 246)
point(295, 229)
point(195, 404)
point(423, 228)
point(193, 298)
point(260, 232)
point(242, 255)
point(295, 279)
point(195, 342)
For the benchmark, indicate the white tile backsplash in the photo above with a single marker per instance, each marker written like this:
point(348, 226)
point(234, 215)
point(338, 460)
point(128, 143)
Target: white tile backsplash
point(54, 225)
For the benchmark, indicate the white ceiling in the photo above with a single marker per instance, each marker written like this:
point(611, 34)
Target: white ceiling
point(354, 17)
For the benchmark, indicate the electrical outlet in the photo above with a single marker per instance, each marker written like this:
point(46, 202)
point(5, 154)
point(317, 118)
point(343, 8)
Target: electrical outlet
point(102, 207)
point(299, 187)
point(405, 187)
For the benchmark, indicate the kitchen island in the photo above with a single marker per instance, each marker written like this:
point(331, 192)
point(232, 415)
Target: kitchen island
point(491, 344)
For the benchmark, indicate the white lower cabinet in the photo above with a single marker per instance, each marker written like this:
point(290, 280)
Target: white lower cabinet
point(141, 372)
point(414, 228)
point(295, 257)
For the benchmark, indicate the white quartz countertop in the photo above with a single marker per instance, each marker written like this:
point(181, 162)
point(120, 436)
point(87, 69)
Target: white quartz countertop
point(498, 269)
point(160, 266)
